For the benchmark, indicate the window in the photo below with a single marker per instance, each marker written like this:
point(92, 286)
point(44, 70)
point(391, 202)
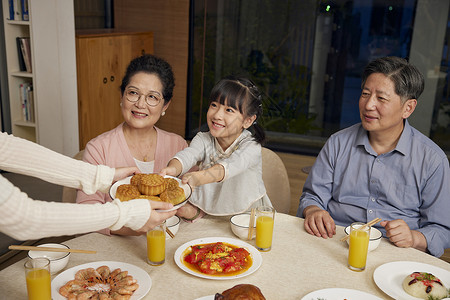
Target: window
point(307, 56)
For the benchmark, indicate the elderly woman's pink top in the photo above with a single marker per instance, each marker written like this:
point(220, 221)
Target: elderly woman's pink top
point(111, 149)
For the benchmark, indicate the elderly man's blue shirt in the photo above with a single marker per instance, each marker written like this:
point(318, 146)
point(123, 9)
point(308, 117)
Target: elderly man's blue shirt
point(411, 182)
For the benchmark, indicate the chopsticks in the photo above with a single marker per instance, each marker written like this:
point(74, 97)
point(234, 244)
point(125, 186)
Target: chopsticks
point(51, 249)
point(250, 224)
point(373, 222)
point(169, 232)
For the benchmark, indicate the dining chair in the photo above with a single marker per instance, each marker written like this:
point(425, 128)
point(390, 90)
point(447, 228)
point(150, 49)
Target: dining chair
point(69, 195)
point(276, 180)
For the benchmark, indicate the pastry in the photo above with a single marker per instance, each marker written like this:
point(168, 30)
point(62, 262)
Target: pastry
point(174, 196)
point(136, 179)
point(127, 192)
point(241, 292)
point(149, 197)
point(171, 183)
point(151, 184)
point(423, 285)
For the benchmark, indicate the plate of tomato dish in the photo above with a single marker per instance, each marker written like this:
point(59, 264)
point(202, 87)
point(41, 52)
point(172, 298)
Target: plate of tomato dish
point(218, 258)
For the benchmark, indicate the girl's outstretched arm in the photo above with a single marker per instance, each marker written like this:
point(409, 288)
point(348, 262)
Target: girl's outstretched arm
point(173, 168)
point(214, 174)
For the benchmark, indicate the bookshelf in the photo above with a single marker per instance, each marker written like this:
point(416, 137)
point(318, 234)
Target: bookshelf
point(51, 32)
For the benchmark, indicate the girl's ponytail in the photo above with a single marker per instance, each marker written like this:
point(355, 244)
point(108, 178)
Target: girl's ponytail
point(258, 132)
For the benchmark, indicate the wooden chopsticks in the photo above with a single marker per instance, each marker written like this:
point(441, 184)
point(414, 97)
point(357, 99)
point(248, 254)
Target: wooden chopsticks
point(373, 222)
point(250, 224)
point(169, 232)
point(51, 249)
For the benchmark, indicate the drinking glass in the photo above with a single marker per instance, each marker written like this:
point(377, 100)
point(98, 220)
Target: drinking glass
point(156, 245)
point(358, 246)
point(265, 216)
point(37, 274)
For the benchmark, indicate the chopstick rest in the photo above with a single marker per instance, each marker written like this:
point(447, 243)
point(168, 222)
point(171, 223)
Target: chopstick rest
point(373, 222)
point(51, 249)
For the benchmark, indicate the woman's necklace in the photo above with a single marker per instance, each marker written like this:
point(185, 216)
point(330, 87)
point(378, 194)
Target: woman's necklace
point(142, 154)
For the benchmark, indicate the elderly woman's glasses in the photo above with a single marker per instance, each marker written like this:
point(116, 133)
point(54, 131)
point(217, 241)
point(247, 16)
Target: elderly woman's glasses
point(152, 99)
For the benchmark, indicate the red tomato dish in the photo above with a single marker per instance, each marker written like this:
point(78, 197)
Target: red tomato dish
point(218, 259)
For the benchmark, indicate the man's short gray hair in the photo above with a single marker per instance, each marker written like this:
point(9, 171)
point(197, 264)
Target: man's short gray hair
point(408, 81)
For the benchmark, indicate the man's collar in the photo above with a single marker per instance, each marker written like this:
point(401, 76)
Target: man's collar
point(403, 144)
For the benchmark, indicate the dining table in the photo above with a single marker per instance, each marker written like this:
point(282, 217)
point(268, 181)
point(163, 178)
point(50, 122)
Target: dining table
point(297, 264)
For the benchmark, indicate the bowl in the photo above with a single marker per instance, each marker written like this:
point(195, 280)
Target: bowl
point(239, 225)
point(58, 260)
point(375, 237)
point(173, 223)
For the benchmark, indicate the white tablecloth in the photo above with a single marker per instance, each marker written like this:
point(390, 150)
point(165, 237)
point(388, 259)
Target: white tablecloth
point(298, 263)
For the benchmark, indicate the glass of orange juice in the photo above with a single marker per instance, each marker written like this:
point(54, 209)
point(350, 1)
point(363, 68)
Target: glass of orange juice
point(265, 216)
point(358, 245)
point(156, 245)
point(37, 274)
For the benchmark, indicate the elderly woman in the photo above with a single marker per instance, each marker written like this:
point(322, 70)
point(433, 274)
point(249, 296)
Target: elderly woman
point(146, 91)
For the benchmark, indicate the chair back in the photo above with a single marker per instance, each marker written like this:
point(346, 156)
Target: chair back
point(276, 180)
point(69, 195)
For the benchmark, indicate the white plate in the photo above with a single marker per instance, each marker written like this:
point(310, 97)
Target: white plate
point(142, 277)
point(186, 187)
point(389, 277)
point(339, 294)
point(209, 297)
point(256, 257)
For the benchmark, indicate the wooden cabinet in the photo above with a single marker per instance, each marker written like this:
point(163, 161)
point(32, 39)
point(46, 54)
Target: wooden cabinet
point(102, 58)
point(51, 31)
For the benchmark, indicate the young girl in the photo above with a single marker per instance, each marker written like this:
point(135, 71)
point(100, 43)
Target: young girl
point(229, 179)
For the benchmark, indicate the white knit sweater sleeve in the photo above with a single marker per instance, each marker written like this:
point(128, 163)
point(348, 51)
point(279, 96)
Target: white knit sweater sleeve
point(25, 218)
point(21, 156)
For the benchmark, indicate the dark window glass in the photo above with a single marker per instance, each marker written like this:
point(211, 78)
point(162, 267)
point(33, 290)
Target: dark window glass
point(307, 56)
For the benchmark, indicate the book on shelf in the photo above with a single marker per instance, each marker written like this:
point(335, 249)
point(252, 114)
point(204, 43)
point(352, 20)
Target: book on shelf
point(18, 10)
point(22, 66)
point(24, 7)
point(27, 101)
point(11, 9)
point(25, 48)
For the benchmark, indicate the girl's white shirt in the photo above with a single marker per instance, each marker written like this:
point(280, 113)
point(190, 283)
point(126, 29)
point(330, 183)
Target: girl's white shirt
point(242, 186)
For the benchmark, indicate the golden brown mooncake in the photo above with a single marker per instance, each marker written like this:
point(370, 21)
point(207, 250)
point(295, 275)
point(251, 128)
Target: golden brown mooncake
point(151, 184)
point(171, 183)
point(136, 179)
point(127, 192)
point(148, 197)
point(174, 196)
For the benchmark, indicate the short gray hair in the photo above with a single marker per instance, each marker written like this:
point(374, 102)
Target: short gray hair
point(408, 81)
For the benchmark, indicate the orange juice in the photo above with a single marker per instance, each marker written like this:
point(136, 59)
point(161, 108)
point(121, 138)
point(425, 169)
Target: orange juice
point(156, 247)
point(38, 285)
point(357, 254)
point(264, 231)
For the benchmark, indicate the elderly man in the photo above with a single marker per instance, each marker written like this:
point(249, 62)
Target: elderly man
point(383, 167)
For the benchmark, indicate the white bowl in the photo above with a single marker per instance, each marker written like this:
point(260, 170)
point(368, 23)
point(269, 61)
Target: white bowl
point(375, 237)
point(58, 260)
point(173, 223)
point(239, 225)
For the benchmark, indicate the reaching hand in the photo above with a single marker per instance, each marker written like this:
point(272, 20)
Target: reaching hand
point(125, 172)
point(157, 217)
point(171, 171)
point(318, 222)
point(191, 179)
